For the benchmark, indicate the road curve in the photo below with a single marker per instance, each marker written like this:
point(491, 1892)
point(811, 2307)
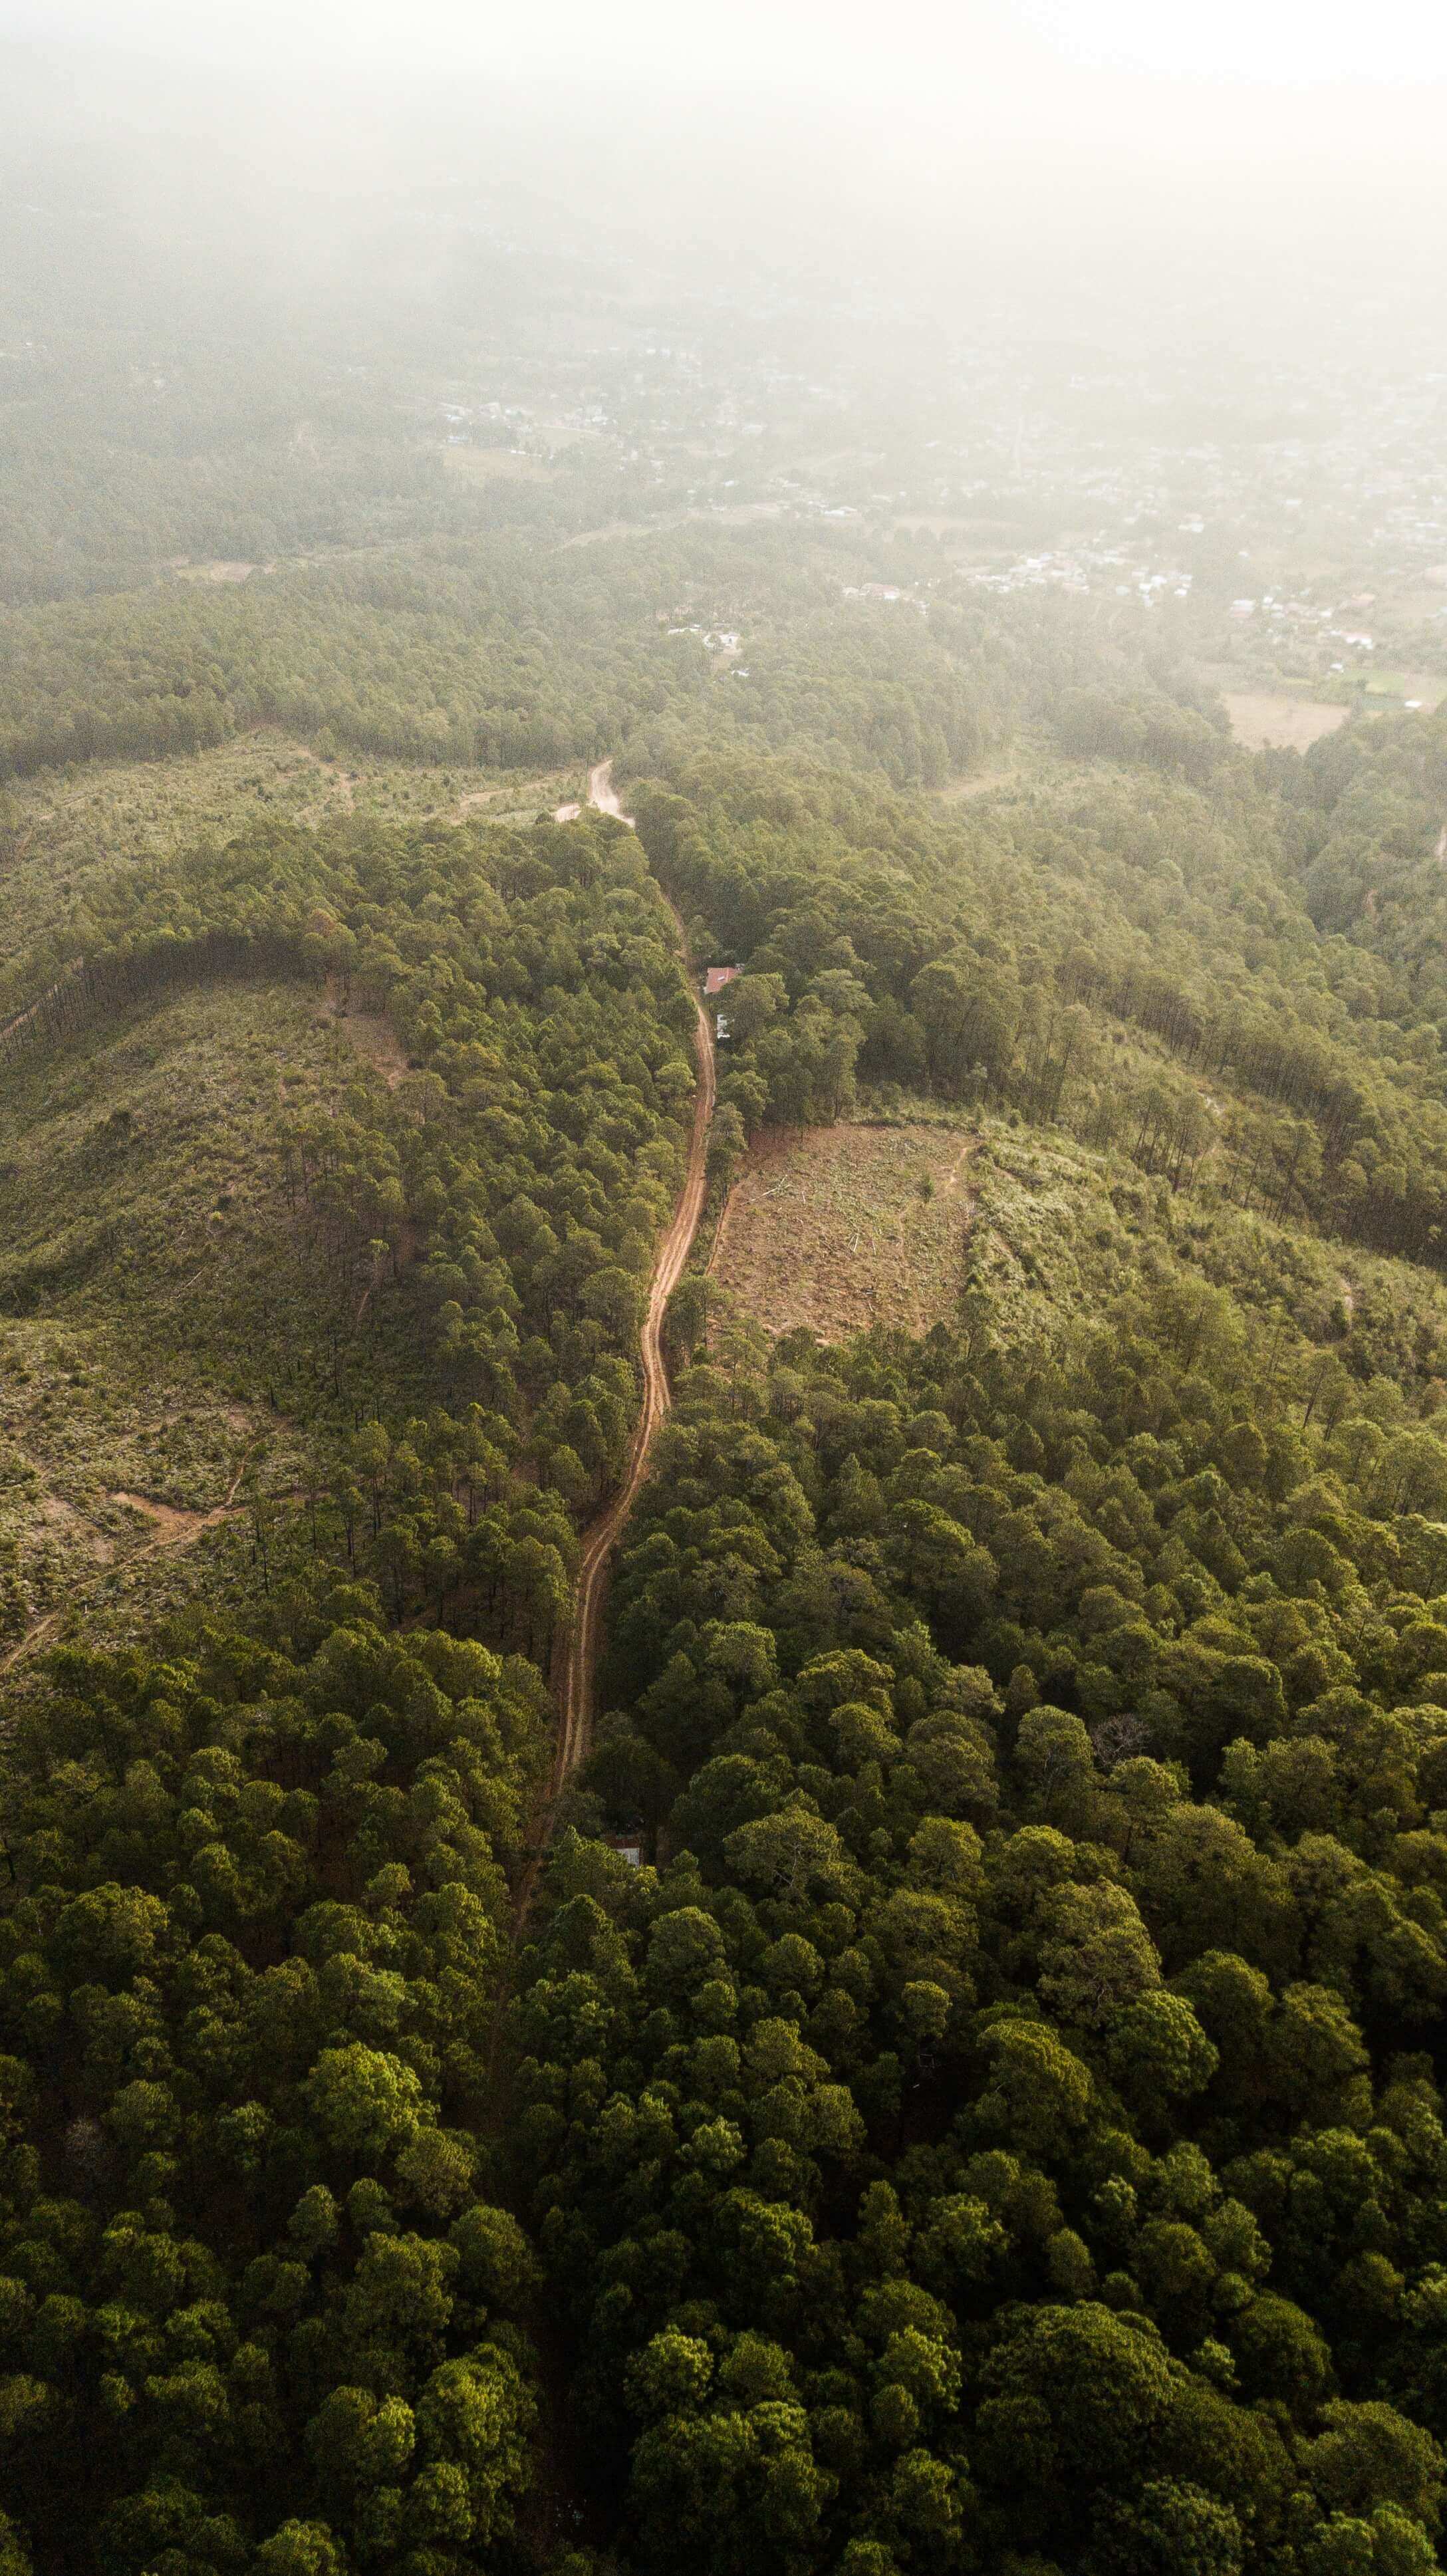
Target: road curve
point(603, 793)
point(574, 1683)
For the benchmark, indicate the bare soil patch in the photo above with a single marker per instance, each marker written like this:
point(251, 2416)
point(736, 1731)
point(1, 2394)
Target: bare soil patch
point(171, 1526)
point(72, 1526)
point(603, 793)
point(849, 1226)
point(374, 1038)
point(1264, 721)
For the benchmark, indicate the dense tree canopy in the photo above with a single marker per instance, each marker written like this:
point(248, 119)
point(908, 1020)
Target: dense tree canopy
point(1007, 2120)
point(1000, 2125)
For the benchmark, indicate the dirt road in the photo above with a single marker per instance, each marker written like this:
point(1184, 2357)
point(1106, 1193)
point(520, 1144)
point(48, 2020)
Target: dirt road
point(575, 1693)
point(603, 794)
point(575, 1681)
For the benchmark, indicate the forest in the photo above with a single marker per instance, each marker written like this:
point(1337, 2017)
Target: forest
point(952, 2080)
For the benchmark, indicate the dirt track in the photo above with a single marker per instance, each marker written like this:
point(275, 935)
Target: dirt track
point(575, 1680)
point(603, 794)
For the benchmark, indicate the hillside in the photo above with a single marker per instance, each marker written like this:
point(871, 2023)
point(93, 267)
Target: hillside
point(998, 2123)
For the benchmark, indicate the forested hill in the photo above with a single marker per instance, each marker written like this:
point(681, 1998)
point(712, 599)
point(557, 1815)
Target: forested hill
point(997, 2126)
point(509, 649)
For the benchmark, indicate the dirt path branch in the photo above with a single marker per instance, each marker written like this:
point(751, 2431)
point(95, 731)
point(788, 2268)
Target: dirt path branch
point(175, 1530)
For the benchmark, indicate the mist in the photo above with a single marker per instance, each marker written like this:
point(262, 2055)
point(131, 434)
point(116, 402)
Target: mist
point(1252, 175)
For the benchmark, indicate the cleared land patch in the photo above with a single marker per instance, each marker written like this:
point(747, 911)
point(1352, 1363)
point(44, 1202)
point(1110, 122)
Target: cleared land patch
point(1390, 690)
point(849, 1226)
point(373, 1036)
point(1263, 720)
point(76, 1543)
point(168, 1316)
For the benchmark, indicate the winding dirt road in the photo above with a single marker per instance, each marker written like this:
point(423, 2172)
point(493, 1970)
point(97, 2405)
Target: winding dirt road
point(603, 794)
point(574, 1682)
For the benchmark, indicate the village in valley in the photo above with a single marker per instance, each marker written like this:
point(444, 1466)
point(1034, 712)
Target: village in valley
point(1284, 523)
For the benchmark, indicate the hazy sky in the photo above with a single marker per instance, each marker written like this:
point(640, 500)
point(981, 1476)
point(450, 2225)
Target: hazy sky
point(834, 42)
point(1288, 41)
point(1274, 142)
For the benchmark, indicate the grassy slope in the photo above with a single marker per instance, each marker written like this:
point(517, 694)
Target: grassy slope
point(162, 1313)
point(1059, 1230)
point(164, 1317)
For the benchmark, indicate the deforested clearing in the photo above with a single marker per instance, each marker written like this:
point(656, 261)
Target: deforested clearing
point(1265, 720)
point(847, 1226)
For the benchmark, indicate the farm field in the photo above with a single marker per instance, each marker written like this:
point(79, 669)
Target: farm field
point(1264, 719)
point(849, 1226)
point(1424, 689)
